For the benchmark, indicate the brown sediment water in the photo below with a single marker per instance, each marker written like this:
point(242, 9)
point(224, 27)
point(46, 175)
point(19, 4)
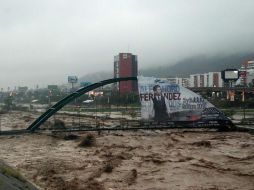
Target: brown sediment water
point(173, 159)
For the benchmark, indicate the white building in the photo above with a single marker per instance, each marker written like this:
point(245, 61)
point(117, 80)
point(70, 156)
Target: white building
point(185, 82)
point(214, 79)
point(210, 79)
point(250, 76)
point(197, 80)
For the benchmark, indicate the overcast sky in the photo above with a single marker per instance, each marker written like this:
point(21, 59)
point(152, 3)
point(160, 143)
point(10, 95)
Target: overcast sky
point(44, 41)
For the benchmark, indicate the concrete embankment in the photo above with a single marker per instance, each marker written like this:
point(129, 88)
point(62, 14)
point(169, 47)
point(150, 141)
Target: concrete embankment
point(11, 179)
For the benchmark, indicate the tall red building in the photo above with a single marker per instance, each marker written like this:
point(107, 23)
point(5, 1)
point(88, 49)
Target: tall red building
point(126, 65)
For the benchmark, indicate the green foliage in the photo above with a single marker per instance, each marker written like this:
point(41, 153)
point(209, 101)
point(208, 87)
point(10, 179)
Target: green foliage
point(9, 172)
point(58, 124)
point(92, 96)
point(124, 99)
point(247, 121)
point(3, 111)
point(229, 112)
point(132, 113)
point(8, 102)
point(21, 108)
point(249, 103)
point(71, 137)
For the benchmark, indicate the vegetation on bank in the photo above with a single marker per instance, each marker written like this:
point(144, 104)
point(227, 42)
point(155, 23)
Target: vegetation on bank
point(88, 141)
point(129, 102)
point(11, 179)
point(9, 172)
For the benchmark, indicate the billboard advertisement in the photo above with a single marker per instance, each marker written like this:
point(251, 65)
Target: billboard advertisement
point(242, 74)
point(231, 74)
point(52, 87)
point(72, 79)
point(163, 102)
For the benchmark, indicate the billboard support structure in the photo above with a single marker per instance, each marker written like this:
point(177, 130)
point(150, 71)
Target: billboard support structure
point(72, 80)
point(230, 76)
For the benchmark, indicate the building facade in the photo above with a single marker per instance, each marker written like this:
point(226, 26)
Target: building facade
point(195, 80)
point(126, 65)
point(214, 79)
point(180, 81)
point(210, 79)
point(246, 73)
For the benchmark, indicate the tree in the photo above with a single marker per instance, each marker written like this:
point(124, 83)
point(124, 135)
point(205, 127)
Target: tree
point(8, 102)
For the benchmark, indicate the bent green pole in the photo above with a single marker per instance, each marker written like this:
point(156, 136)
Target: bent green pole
point(51, 111)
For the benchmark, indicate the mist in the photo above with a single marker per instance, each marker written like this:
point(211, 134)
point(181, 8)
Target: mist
point(42, 42)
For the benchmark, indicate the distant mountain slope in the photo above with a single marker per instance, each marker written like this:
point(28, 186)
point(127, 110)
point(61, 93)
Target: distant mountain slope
point(98, 76)
point(198, 64)
point(192, 65)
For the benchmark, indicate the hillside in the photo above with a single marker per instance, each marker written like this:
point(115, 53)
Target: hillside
point(98, 76)
point(183, 68)
point(198, 64)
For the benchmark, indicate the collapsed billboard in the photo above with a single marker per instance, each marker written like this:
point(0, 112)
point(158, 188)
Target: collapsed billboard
point(165, 102)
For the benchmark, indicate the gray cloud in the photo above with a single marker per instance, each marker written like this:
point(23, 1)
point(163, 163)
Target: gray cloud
point(41, 42)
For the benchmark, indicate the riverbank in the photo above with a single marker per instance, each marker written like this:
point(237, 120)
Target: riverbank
point(10, 179)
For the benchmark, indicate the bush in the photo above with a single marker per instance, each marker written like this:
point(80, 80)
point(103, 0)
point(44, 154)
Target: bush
point(132, 176)
point(9, 172)
point(132, 113)
point(3, 111)
point(229, 112)
point(58, 124)
point(108, 168)
point(71, 137)
point(21, 108)
point(203, 143)
point(88, 141)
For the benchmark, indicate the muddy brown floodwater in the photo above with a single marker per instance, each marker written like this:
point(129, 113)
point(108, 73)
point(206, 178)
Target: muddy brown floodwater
point(143, 160)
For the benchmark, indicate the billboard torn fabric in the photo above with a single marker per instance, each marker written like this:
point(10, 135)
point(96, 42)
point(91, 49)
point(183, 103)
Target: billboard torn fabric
point(163, 102)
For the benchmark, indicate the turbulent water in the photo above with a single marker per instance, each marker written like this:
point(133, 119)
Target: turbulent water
point(173, 159)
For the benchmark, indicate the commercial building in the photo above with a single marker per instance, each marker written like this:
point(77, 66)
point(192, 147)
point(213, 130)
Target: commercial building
point(197, 80)
point(126, 65)
point(246, 73)
point(214, 79)
point(210, 79)
point(22, 89)
point(185, 82)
